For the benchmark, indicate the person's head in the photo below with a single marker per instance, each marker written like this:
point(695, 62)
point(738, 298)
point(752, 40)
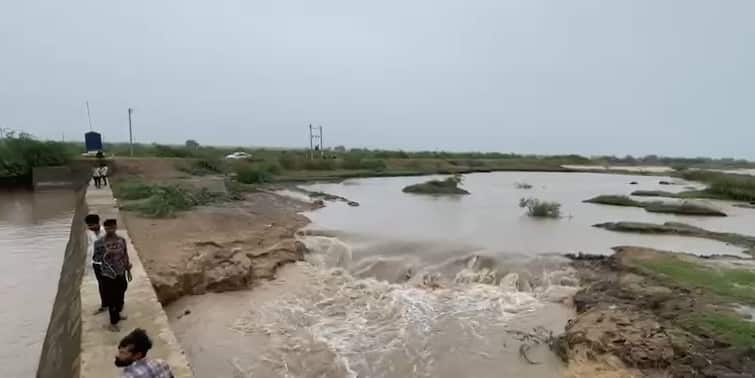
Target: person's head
point(93, 222)
point(133, 348)
point(111, 225)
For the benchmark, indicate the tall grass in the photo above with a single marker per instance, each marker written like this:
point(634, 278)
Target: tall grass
point(729, 284)
point(540, 209)
point(724, 185)
point(257, 174)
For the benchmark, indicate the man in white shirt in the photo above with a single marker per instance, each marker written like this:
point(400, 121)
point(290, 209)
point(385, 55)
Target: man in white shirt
point(104, 170)
point(94, 233)
point(96, 177)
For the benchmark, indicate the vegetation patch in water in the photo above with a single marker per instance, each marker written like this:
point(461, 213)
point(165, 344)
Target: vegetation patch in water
point(683, 208)
point(540, 209)
point(447, 186)
point(614, 200)
point(675, 228)
point(654, 193)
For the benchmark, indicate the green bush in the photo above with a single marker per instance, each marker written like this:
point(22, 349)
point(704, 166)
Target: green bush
point(174, 151)
point(352, 161)
point(20, 153)
point(447, 186)
point(254, 175)
point(203, 167)
point(132, 191)
point(319, 165)
point(162, 201)
point(290, 161)
point(272, 167)
point(538, 208)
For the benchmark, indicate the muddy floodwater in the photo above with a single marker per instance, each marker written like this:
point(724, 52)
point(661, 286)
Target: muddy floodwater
point(421, 286)
point(34, 229)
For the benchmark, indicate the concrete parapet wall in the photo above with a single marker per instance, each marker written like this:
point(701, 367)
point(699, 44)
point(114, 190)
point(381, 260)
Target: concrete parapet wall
point(77, 343)
point(62, 345)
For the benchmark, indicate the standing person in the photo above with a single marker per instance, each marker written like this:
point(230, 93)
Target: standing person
point(116, 270)
point(104, 170)
point(96, 176)
point(132, 357)
point(94, 233)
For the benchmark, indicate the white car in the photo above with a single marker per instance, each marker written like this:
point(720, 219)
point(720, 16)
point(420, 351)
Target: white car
point(240, 155)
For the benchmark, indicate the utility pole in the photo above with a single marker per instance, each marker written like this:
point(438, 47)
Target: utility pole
point(315, 141)
point(321, 151)
point(311, 144)
point(89, 117)
point(130, 132)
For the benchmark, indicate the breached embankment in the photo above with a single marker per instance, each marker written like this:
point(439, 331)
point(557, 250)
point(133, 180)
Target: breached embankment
point(219, 248)
point(644, 312)
point(471, 315)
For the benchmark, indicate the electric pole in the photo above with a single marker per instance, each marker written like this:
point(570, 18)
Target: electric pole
point(89, 117)
point(311, 144)
point(130, 132)
point(321, 151)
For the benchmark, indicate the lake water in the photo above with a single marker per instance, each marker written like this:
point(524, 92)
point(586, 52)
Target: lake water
point(422, 286)
point(490, 218)
point(34, 230)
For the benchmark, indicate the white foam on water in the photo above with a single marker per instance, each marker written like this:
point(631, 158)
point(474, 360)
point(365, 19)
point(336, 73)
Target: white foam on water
point(323, 321)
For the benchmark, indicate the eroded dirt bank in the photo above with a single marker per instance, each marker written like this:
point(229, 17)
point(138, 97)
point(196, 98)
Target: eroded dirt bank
point(219, 248)
point(647, 313)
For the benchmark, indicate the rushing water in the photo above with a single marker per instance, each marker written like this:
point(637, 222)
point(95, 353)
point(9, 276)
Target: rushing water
point(421, 286)
point(34, 230)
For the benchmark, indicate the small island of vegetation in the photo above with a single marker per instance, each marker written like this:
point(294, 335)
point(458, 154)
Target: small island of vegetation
point(541, 209)
point(447, 186)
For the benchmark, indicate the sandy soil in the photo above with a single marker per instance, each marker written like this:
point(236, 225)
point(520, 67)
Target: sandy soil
point(218, 248)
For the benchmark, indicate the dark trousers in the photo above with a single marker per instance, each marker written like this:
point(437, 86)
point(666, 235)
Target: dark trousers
point(98, 273)
point(115, 290)
point(104, 180)
point(97, 181)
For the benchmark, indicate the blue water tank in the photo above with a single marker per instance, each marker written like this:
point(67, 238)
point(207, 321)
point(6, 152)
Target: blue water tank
point(93, 141)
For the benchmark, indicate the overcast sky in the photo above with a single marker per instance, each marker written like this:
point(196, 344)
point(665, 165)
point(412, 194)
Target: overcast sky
point(588, 76)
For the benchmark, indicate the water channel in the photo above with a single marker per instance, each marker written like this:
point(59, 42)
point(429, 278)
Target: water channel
point(34, 230)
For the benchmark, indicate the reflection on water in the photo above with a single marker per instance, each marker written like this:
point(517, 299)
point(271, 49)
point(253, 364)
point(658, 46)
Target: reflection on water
point(34, 228)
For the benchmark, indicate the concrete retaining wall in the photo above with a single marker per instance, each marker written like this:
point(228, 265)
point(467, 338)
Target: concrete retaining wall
point(53, 177)
point(77, 344)
point(62, 345)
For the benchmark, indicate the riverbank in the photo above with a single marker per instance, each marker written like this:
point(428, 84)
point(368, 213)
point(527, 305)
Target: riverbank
point(644, 312)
